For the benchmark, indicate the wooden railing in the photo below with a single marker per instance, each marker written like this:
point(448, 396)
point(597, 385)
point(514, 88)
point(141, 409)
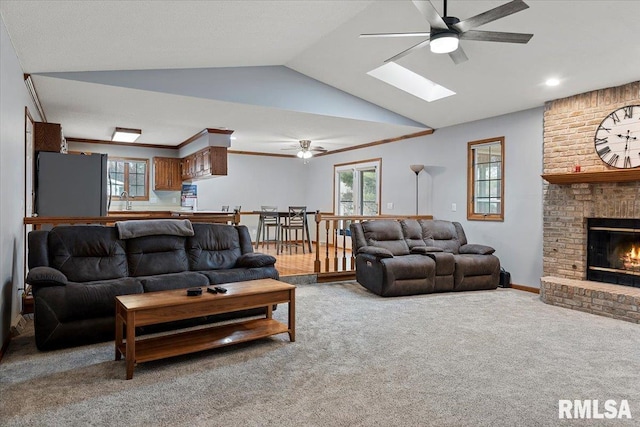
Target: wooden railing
point(332, 232)
point(220, 218)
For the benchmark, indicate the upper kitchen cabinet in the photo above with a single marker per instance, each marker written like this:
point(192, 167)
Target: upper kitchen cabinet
point(167, 174)
point(205, 163)
point(48, 137)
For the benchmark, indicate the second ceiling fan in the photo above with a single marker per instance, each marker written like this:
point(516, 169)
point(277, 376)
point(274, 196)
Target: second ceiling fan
point(447, 31)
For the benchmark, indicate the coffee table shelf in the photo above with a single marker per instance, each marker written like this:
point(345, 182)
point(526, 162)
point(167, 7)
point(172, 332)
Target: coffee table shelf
point(161, 347)
point(167, 306)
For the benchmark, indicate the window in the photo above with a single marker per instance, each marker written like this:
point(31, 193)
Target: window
point(357, 188)
point(485, 180)
point(130, 175)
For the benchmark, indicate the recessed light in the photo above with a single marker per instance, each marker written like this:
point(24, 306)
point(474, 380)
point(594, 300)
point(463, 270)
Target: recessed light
point(552, 82)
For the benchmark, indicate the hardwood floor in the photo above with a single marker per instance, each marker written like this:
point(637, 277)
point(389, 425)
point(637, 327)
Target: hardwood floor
point(297, 263)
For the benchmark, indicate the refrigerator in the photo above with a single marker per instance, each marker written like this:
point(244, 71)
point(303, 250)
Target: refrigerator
point(71, 184)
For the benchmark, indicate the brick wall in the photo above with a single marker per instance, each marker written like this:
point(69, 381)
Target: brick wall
point(569, 128)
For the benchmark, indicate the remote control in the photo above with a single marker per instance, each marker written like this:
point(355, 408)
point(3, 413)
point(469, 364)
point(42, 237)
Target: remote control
point(220, 289)
point(212, 290)
point(192, 292)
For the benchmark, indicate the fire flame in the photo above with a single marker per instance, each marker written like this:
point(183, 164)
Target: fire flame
point(631, 259)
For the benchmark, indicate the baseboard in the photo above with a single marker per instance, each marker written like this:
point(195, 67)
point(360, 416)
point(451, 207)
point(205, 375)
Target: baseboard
point(336, 276)
point(526, 288)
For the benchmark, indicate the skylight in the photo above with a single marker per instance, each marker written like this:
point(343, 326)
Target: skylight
point(410, 82)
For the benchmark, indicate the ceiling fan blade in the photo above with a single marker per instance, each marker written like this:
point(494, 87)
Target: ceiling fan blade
point(423, 34)
point(458, 56)
point(408, 51)
point(431, 14)
point(491, 15)
point(496, 36)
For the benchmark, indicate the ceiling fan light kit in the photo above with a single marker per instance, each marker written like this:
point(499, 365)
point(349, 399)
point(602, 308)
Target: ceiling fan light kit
point(444, 42)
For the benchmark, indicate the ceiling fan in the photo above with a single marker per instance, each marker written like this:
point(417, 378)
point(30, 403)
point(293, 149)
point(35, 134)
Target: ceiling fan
point(447, 31)
point(304, 149)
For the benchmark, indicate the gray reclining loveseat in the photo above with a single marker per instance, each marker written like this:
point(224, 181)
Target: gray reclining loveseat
point(77, 271)
point(411, 257)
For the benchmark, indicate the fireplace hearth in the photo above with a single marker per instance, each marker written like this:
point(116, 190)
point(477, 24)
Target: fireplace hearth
point(613, 251)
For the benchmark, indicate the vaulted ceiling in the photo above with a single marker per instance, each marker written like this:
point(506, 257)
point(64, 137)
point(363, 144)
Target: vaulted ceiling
point(279, 71)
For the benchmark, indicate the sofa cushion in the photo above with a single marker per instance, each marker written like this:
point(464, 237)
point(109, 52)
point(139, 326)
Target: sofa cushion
point(86, 300)
point(219, 277)
point(441, 234)
point(385, 234)
point(213, 247)
point(409, 267)
point(152, 255)
point(412, 232)
point(85, 253)
point(167, 282)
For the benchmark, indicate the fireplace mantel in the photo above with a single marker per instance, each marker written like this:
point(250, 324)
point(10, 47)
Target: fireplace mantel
point(621, 175)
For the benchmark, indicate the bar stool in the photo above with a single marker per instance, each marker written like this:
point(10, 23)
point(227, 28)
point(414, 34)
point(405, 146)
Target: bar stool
point(225, 208)
point(295, 221)
point(269, 219)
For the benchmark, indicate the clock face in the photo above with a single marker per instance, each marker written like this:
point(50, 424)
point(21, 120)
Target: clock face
point(617, 139)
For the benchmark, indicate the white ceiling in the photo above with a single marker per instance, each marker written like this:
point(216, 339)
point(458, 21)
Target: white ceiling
point(586, 44)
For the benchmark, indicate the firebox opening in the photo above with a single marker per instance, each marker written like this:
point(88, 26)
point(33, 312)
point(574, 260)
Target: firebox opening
point(613, 251)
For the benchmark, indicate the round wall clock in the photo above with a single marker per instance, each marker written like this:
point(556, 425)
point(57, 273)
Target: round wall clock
point(617, 139)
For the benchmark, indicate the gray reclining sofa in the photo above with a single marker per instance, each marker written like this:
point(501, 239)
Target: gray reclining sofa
point(77, 271)
point(411, 257)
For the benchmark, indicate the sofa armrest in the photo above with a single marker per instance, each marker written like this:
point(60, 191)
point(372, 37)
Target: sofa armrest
point(46, 276)
point(375, 251)
point(425, 249)
point(254, 260)
point(476, 249)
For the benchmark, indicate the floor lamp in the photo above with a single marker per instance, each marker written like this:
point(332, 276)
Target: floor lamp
point(417, 169)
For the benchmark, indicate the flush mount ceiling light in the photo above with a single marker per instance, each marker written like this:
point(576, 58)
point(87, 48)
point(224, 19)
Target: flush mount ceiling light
point(126, 135)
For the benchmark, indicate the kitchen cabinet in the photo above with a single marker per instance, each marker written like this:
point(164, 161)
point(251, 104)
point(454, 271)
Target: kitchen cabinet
point(48, 137)
point(167, 174)
point(218, 160)
point(205, 163)
point(188, 167)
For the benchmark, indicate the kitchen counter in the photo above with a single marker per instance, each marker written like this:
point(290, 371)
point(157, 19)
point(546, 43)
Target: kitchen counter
point(140, 213)
point(113, 216)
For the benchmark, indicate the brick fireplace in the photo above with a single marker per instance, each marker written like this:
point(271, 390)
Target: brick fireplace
point(569, 128)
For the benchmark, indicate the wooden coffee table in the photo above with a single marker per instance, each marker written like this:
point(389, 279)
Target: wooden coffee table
point(167, 306)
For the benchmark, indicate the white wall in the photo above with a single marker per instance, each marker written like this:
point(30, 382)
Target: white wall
point(12, 158)
point(253, 181)
point(518, 240)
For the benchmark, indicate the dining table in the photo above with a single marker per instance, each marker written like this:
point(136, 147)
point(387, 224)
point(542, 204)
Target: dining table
point(281, 215)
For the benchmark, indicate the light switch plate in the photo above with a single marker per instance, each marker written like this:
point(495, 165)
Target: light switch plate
point(454, 207)
point(389, 205)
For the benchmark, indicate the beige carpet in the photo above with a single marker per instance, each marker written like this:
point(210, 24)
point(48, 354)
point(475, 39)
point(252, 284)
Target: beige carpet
point(489, 358)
